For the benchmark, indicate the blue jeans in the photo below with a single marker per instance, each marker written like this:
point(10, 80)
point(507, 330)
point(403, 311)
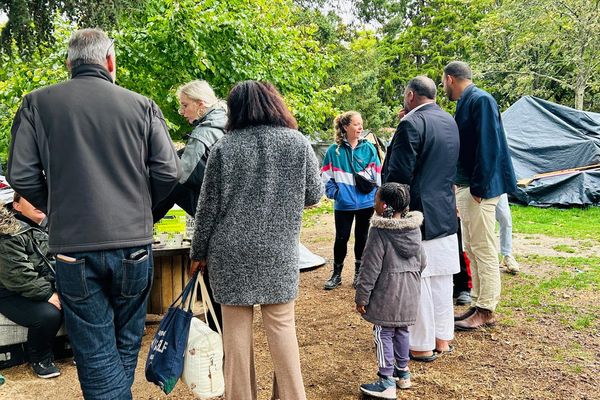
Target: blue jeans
point(104, 296)
point(504, 219)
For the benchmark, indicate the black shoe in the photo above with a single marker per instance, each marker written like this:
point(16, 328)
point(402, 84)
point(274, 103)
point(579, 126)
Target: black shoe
point(45, 369)
point(356, 271)
point(336, 277)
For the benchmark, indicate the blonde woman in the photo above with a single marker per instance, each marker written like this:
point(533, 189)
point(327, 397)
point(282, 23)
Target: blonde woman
point(349, 156)
point(199, 105)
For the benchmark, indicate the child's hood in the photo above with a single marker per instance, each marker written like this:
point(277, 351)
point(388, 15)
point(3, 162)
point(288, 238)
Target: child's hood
point(404, 233)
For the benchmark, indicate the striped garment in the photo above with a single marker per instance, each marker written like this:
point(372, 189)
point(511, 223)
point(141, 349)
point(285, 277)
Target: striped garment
point(338, 176)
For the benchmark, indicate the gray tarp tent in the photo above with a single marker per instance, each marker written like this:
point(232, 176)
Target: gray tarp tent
point(555, 152)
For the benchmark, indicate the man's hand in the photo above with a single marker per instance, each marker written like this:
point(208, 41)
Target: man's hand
point(476, 198)
point(361, 309)
point(55, 301)
point(198, 265)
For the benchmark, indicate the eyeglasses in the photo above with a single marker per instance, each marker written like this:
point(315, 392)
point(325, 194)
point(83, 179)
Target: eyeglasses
point(112, 42)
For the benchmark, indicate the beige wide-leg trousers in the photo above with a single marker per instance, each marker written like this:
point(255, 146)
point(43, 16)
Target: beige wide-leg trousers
point(479, 238)
point(238, 344)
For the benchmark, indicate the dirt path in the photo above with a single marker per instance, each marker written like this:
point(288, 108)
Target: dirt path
point(524, 357)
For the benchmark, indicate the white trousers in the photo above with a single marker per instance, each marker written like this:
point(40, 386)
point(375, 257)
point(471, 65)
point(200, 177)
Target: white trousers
point(435, 318)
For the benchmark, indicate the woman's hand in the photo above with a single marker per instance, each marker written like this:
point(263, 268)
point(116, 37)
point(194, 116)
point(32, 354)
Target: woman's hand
point(361, 309)
point(55, 301)
point(198, 265)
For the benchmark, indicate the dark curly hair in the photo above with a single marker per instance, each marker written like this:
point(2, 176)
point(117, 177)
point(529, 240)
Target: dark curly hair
point(396, 196)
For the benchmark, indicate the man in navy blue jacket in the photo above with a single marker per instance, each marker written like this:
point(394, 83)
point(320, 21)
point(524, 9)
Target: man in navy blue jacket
point(484, 172)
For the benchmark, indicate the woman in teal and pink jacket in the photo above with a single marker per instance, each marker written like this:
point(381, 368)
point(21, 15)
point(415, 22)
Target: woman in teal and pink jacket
point(349, 155)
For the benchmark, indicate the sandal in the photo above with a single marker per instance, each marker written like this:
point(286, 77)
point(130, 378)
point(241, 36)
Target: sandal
point(430, 358)
point(440, 353)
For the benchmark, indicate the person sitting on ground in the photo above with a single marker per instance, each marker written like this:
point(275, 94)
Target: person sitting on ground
point(389, 285)
point(27, 293)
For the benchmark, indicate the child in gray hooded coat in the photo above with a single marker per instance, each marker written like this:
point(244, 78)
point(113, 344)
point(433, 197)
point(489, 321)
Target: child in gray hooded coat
point(389, 288)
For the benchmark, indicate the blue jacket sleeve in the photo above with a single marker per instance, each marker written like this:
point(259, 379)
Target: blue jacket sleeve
point(331, 187)
point(487, 125)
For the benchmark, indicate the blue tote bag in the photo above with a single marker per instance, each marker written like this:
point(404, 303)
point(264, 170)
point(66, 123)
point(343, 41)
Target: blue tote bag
point(164, 364)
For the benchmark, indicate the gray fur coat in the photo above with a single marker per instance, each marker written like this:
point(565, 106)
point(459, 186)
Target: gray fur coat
point(389, 282)
point(257, 182)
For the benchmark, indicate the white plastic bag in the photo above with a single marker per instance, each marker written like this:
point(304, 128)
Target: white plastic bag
point(203, 361)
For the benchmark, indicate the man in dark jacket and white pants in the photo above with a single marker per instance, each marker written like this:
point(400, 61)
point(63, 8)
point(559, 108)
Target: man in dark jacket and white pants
point(95, 158)
point(423, 154)
point(484, 172)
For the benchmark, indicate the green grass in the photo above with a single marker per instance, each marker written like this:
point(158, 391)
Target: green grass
point(551, 295)
point(564, 248)
point(575, 223)
point(312, 214)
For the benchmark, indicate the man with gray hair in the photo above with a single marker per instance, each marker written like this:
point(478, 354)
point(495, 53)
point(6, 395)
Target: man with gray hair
point(423, 154)
point(484, 172)
point(95, 157)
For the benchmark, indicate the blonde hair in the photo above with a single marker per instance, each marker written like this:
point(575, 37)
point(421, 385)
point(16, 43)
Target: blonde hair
point(201, 91)
point(339, 122)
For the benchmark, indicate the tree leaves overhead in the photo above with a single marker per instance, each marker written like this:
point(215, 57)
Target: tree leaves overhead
point(31, 22)
point(548, 48)
point(171, 42)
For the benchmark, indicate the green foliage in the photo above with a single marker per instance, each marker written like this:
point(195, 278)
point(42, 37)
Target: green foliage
point(435, 32)
point(31, 23)
point(357, 70)
point(19, 77)
point(547, 48)
point(172, 42)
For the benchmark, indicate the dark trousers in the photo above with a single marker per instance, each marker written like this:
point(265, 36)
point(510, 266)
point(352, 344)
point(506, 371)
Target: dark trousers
point(462, 279)
point(343, 226)
point(181, 195)
point(41, 318)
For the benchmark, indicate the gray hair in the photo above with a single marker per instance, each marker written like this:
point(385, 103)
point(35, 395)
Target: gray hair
point(89, 46)
point(422, 86)
point(458, 69)
point(201, 91)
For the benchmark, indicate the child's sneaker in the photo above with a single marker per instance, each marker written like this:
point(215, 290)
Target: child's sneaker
point(402, 378)
point(382, 388)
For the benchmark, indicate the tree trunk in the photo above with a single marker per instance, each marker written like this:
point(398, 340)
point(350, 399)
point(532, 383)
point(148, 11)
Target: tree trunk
point(580, 87)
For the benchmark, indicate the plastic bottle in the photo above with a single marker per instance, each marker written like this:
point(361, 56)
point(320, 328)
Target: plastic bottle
point(2, 380)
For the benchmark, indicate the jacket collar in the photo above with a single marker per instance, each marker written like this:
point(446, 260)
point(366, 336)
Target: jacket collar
point(413, 220)
point(94, 70)
point(465, 94)
point(424, 106)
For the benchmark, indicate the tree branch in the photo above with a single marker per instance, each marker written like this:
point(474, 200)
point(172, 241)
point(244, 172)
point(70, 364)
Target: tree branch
point(564, 83)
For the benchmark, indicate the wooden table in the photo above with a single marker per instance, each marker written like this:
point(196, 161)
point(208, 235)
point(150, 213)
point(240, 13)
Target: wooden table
point(170, 277)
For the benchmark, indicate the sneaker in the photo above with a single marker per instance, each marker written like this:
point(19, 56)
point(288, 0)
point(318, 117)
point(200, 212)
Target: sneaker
point(45, 369)
point(464, 299)
point(510, 265)
point(402, 378)
point(382, 388)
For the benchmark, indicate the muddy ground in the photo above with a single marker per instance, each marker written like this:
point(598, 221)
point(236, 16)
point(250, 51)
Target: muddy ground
point(523, 357)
